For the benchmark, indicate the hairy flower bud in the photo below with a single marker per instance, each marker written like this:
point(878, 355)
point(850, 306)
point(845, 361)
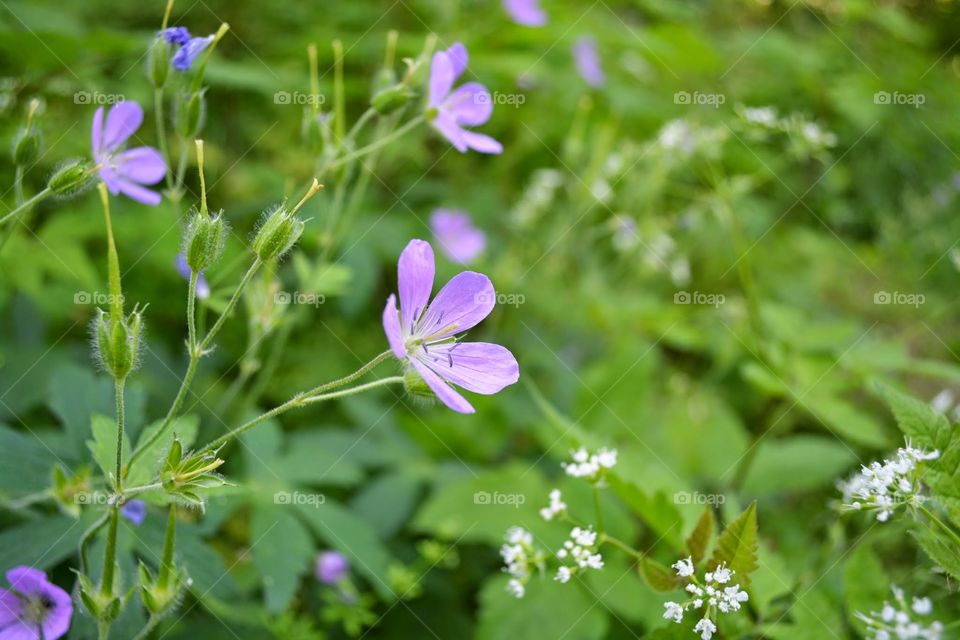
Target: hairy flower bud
point(414, 384)
point(278, 233)
point(70, 179)
point(117, 343)
point(390, 99)
point(26, 146)
point(158, 62)
point(203, 240)
point(190, 113)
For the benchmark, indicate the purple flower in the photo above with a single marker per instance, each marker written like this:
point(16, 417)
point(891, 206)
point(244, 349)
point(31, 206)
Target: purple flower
point(331, 567)
point(33, 607)
point(424, 336)
point(189, 51)
point(526, 12)
point(470, 105)
point(135, 511)
point(588, 62)
point(176, 35)
point(203, 287)
point(459, 240)
point(126, 171)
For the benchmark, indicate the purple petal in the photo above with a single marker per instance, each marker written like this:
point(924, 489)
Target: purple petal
point(525, 12)
point(445, 392)
point(176, 35)
point(203, 287)
point(111, 179)
point(458, 58)
point(449, 129)
point(10, 607)
point(27, 581)
point(441, 79)
point(97, 133)
point(482, 143)
point(588, 62)
point(470, 104)
point(141, 194)
point(141, 164)
point(135, 511)
point(462, 303)
point(21, 631)
point(331, 567)
point(480, 367)
point(57, 622)
point(458, 238)
point(415, 282)
point(123, 119)
point(185, 56)
point(391, 327)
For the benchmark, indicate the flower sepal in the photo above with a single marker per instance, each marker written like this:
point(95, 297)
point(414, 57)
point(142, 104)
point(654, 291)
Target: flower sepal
point(71, 178)
point(117, 341)
point(158, 62)
point(388, 100)
point(189, 114)
point(184, 474)
point(104, 607)
point(162, 598)
point(278, 233)
point(203, 240)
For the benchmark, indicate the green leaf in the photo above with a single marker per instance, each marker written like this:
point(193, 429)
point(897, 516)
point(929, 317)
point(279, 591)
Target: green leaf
point(282, 549)
point(25, 462)
point(737, 546)
point(657, 511)
point(387, 502)
point(104, 444)
point(918, 421)
point(797, 463)
point(183, 428)
point(842, 418)
point(699, 538)
point(865, 585)
point(940, 549)
point(40, 543)
point(75, 395)
point(659, 576)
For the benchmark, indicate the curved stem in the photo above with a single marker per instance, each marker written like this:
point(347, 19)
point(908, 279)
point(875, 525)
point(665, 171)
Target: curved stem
point(230, 305)
point(356, 375)
point(940, 523)
point(373, 146)
point(152, 623)
point(623, 546)
point(135, 491)
point(297, 401)
point(85, 539)
point(42, 195)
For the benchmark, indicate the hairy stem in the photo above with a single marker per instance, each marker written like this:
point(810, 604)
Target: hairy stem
point(42, 195)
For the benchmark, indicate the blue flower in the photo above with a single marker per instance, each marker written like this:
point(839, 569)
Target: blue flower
point(135, 511)
point(188, 52)
point(176, 35)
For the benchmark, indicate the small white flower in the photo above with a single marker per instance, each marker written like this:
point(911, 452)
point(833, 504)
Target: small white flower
point(883, 487)
point(721, 574)
point(673, 611)
point(563, 575)
point(589, 466)
point(685, 567)
point(516, 588)
point(922, 606)
point(556, 507)
point(895, 620)
point(705, 628)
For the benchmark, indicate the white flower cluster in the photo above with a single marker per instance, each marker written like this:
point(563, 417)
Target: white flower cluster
point(590, 466)
point(582, 549)
point(520, 558)
point(715, 592)
point(884, 486)
point(766, 119)
point(556, 507)
point(897, 622)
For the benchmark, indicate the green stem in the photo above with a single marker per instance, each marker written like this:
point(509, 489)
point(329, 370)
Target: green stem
point(373, 146)
point(169, 543)
point(623, 546)
point(152, 623)
point(85, 539)
point(162, 133)
point(598, 510)
point(356, 375)
point(43, 195)
point(231, 304)
point(110, 557)
point(118, 480)
point(135, 491)
point(940, 523)
point(297, 401)
point(191, 312)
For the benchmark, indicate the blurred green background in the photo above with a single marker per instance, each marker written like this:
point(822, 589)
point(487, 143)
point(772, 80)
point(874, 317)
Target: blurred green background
point(711, 295)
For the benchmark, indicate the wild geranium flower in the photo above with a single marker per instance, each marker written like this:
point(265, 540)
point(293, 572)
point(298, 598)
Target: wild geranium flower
point(189, 47)
point(470, 105)
point(424, 336)
point(203, 287)
point(526, 12)
point(33, 607)
point(126, 171)
point(331, 567)
point(587, 60)
point(458, 238)
point(135, 511)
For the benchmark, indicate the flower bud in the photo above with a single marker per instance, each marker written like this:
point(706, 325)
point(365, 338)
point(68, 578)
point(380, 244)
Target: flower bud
point(118, 343)
point(312, 129)
point(277, 235)
point(203, 240)
point(26, 146)
point(101, 606)
point(158, 62)
point(189, 114)
point(162, 598)
point(390, 99)
point(71, 178)
point(415, 385)
point(384, 79)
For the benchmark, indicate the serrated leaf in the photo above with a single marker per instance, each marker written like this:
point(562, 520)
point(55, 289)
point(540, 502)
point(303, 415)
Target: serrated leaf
point(940, 549)
point(737, 546)
point(918, 421)
point(699, 539)
point(658, 576)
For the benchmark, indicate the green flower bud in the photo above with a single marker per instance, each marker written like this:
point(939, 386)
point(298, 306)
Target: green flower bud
point(158, 63)
point(203, 240)
point(415, 385)
point(278, 233)
point(158, 598)
point(71, 178)
point(26, 146)
point(312, 129)
point(190, 113)
point(101, 606)
point(390, 99)
point(384, 79)
point(117, 344)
